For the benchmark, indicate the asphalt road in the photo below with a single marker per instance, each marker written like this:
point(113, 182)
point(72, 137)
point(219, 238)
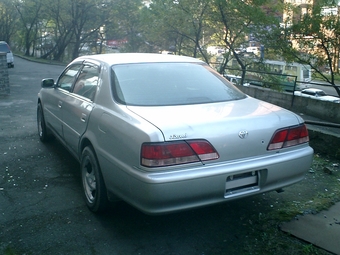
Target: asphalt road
point(42, 210)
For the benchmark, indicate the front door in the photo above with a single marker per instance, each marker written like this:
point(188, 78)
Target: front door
point(54, 99)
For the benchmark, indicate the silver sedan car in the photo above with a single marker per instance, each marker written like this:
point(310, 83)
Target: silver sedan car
point(166, 133)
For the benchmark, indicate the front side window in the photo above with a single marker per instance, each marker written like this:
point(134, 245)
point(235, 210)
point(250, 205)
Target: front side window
point(158, 84)
point(68, 77)
point(308, 93)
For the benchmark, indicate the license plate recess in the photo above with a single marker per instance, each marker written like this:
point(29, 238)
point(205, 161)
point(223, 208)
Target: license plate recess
point(241, 184)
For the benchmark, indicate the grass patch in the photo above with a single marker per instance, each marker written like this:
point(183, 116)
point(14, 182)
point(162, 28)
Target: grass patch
point(317, 192)
point(10, 251)
point(41, 60)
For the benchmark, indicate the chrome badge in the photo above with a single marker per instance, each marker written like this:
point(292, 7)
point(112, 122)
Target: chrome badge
point(243, 134)
point(178, 136)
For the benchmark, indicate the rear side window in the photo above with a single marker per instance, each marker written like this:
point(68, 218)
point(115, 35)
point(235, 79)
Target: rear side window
point(87, 81)
point(320, 94)
point(158, 84)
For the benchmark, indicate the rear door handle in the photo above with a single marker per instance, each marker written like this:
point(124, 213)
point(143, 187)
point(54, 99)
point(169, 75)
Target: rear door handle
point(83, 117)
point(60, 103)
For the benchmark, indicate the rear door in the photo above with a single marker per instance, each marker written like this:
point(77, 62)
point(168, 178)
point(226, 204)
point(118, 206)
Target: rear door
point(78, 106)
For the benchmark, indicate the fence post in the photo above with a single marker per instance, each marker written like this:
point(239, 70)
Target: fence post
point(4, 78)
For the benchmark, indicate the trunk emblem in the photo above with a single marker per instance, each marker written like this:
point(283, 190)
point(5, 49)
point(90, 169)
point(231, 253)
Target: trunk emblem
point(178, 136)
point(243, 134)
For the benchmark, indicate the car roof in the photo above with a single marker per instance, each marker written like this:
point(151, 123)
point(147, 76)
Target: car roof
point(233, 76)
point(128, 58)
point(312, 90)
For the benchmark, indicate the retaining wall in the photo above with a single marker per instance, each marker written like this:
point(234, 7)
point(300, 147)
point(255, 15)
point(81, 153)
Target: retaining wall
point(323, 110)
point(4, 78)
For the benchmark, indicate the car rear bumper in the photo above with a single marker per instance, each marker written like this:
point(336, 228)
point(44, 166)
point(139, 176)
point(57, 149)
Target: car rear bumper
point(164, 192)
point(10, 59)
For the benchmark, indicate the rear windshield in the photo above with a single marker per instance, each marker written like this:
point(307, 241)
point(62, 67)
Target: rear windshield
point(4, 47)
point(158, 84)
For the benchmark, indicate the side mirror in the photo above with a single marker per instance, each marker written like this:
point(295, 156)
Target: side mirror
point(47, 83)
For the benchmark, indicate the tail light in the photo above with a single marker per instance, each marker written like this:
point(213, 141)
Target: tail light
point(175, 153)
point(288, 137)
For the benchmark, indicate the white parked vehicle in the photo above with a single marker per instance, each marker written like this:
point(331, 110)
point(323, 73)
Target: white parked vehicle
point(215, 50)
point(235, 80)
point(317, 94)
point(255, 50)
point(4, 47)
point(167, 133)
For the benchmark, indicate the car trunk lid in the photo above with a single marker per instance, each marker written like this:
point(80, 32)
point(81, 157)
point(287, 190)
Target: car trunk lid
point(236, 129)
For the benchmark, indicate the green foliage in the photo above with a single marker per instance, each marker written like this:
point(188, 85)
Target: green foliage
point(309, 249)
point(240, 23)
point(8, 16)
point(126, 23)
point(180, 26)
point(186, 27)
point(9, 251)
point(58, 29)
point(312, 38)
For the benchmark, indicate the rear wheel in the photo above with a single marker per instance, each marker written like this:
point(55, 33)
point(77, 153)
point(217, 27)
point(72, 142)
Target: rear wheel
point(44, 135)
point(94, 189)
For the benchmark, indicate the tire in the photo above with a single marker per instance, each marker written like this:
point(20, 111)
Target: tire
point(94, 189)
point(43, 132)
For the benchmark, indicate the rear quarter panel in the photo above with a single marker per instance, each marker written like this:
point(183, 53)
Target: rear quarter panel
point(116, 135)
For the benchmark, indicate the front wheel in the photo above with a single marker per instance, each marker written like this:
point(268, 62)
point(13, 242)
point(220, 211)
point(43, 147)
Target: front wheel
point(94, 189)
point(44, 135)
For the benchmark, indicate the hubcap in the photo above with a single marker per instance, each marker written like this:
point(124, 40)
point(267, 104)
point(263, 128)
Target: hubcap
point(89, 181)
point(40, 124)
